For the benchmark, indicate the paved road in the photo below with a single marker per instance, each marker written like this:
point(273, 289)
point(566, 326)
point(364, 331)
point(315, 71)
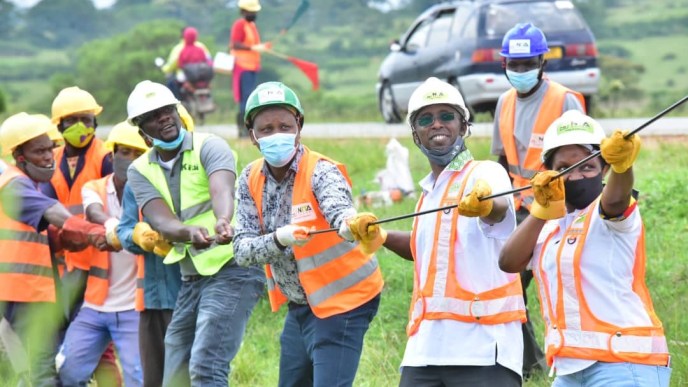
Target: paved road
point(663, 127)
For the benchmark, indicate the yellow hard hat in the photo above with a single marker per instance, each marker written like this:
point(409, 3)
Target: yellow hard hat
point(185, 117)
point(249, 5)
point(125, 134)
point(53, 133)
point(21, 128)
point(72, 100)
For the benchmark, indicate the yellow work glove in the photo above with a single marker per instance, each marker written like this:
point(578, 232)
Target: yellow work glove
point(619, 152)
point(145, 237)
point(370, 236)
point(550, 199)
point(470, 205)
point(162, 248)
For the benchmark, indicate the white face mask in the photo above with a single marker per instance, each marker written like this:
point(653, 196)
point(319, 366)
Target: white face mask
point(278, 149)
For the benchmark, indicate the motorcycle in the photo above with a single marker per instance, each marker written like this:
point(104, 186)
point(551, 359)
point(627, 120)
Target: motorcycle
point(193, 83)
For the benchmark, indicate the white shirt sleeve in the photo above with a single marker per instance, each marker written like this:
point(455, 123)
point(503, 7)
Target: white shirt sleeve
point(89, 196)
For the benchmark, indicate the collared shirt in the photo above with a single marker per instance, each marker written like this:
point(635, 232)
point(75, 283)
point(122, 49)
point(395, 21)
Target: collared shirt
point(122, 270)
point(477, 247)
point(161, 282)
point(606, 272)
point(255, 246)
point(215, 155)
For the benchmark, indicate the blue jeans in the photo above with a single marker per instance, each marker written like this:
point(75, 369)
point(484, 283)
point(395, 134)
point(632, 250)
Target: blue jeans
point(208, 324)
point(247, 83)
point(323, 352)
point(87, 338)
point(603, 374)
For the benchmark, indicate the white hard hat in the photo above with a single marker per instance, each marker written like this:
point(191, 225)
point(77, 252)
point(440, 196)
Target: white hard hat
point(434, 92)
point(148, 96)
point(572, 128)
point(249, 5)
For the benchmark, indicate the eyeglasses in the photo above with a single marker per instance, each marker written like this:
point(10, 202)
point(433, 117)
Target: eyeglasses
point(153, 114)
point(427, 119)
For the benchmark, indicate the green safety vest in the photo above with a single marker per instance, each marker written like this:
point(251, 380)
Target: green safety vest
point(196, 206)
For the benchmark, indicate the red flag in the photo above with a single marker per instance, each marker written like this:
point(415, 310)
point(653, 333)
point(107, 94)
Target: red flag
point(310, 69)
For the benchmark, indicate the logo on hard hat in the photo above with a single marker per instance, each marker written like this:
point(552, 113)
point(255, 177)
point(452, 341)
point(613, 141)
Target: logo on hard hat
point(271, 95)
point(434, 95)
point(574, 127)
point(150, 94)
point(519, 46)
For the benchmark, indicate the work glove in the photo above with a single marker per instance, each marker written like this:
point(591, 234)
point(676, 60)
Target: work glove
point(145, 237)
point(470, 205)
point(550, 199)
point(370, 236)
point(262, 47)
point(77, 233)
point(162, 248)
point(292, 235)
point(111, 234)
point(619, 152)
point(344, 229)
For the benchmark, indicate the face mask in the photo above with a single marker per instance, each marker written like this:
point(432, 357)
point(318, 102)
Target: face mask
point(278, 149)
point(78, 135)
point(172, 145)
point(444, 157)
point(580, 193)
point(39, 174)
point(250, 18)
point(523, 82)
point(120, 165)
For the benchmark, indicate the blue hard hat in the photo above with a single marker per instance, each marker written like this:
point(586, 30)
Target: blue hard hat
point(524, 41)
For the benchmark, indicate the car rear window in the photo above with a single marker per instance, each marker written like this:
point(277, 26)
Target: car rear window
point(549, 16)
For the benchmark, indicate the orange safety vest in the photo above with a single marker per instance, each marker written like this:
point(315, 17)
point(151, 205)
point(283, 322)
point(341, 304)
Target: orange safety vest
point(521, 171)
point(98, 281)
point(248, 59)
point(443, 297)
point(574, 331)
point(71, 197)
point(26, 271)
point(335, 274)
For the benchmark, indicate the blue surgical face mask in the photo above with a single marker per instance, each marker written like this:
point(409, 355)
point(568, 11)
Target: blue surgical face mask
point(445, 156)
point(523, 82)
point(278, 149)
point(171, 145)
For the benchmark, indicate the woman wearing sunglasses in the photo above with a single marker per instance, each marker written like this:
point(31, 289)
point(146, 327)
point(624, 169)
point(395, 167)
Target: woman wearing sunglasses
point(465, 313)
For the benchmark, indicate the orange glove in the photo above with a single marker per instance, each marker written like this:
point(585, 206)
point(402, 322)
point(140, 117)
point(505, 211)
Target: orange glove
point(619, 152)
point(77, 232)
point(550, 198)
point(470, 205)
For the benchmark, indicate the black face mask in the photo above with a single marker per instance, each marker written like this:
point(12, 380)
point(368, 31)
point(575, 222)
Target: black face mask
point(250, 18)
point(580, 193)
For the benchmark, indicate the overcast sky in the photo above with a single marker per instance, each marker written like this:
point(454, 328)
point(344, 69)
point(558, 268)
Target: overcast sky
point(31, 3)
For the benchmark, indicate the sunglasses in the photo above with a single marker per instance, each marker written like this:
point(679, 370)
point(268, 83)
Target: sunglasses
point(427, 119)
point(153, 114)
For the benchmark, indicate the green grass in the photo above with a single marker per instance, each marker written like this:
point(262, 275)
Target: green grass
point(662, 187)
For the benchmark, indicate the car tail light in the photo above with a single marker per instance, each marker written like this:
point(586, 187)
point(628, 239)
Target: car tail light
point(486, 55)
point(582, 49)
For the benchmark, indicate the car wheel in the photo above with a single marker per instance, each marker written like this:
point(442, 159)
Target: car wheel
point(388, 107)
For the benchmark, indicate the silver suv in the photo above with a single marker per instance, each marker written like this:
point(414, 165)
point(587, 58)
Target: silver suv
point(460, 41)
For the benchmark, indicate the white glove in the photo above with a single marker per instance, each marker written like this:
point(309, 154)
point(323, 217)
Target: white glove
point(292, 235)
point(111, 233)
point(344, 230)
point(260, 47)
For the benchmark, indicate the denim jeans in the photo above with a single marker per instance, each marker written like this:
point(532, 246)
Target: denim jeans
point(208, 324)
point(247, 83)
point(89, 335)
point(603, 374)
point(323, 352)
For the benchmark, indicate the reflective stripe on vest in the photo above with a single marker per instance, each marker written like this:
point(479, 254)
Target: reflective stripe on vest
point(248, 59)
point(139, 301)
point(335, 275)
point(442, 296)
point(70, 197)
point(26, 272)
point(575, 332)
point(195, 203)
point(521, 171)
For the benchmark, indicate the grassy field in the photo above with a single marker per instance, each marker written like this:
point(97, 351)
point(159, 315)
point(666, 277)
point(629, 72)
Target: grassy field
point(662, 185)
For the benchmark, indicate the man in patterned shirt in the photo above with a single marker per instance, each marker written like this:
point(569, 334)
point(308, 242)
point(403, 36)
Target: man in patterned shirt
point(332, 286)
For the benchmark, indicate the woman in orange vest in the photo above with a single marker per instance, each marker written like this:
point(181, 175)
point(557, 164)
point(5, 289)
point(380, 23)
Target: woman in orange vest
point(586, 244)
point(465, 315)
point(27, 275)
point(332, 287)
